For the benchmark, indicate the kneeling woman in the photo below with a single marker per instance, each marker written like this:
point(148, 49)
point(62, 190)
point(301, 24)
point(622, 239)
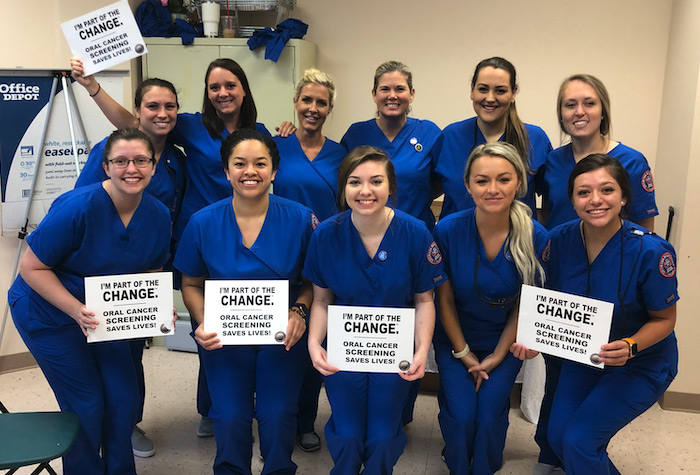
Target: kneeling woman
point(370, 255)
point(489, 251)
point(608, 258)
point(106, 228)
point(254, 236)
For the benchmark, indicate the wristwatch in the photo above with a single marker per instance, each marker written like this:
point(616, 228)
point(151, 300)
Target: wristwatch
point(633, 346)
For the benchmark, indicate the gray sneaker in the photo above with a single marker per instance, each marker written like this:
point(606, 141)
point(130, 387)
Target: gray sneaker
point(205, 428)
point(140, 444)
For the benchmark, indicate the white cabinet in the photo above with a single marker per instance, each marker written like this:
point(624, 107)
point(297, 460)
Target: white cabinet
point(272, 83)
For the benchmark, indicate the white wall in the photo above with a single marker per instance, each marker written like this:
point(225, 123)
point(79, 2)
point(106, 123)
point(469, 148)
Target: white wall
point(676, 175)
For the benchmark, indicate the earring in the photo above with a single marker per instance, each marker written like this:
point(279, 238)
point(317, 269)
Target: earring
point(622, 202)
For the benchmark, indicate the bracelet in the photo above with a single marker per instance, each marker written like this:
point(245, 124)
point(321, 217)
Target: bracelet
point(298, 310)
point(301, 309)
point(463, 353)
point(99, 88)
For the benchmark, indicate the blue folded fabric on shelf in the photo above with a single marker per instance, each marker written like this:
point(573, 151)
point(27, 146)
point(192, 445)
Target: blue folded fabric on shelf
point(276, 38)
point(153, 19)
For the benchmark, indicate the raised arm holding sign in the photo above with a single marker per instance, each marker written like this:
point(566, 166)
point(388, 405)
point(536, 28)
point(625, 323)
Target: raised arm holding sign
point(105, 37)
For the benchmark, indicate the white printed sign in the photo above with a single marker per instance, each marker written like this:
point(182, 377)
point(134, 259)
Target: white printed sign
point(130, 305)
point(247, 312)
point(105, 37)
point(564, 325)
point(370, 339)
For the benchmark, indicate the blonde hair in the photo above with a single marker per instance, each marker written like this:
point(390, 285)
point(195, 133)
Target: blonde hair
point(520, 239)
point(314, 76)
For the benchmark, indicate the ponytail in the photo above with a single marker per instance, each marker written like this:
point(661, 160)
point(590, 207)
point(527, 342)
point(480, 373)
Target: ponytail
point(521, 244)
point(520, 239)
point(516, 135)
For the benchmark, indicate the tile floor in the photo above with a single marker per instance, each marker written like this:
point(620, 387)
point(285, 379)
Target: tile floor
point(659, 442)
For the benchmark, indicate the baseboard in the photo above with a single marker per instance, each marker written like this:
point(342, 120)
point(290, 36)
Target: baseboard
point(16, 362)
point(681, 402)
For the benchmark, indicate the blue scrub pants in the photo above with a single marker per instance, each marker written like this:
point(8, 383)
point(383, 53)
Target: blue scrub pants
point(474, 424)
point(136, 348)
point(203, 398)
point(365, 423)
point(407, 413)
point(591, 406)
point(96, 381)
point(254, 381)
point(547, 455)
point(308, 397)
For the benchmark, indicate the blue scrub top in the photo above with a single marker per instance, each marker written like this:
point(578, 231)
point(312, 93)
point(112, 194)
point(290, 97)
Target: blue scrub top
point(167, 184)
point(313, 183)
point(453, 148)
point(482, 323)
point(635, 264)
point(560, 163)
point(82, 235)
point(207, 181)
point(212, 244)
point(407, 262)
point(413, 159)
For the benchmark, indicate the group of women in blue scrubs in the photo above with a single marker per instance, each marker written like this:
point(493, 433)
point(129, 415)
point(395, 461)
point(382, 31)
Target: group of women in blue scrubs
point(106, 228)
point(489, 167)
point(227, 106)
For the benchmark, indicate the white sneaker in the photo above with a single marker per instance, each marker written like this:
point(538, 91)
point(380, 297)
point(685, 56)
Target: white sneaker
point(141, 445)
point(205, 428)
point(546, 469)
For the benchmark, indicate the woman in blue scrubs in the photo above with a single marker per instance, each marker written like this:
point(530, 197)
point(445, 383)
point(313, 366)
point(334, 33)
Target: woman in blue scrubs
point(106, 228)
point(603, 256)
point(407, 141)
point(489, 251)
point(252, 236)
point(227, 106)
point(370, 255)
point(308, 174)
point(156, 110)
point(493, 90)
point(584, 112)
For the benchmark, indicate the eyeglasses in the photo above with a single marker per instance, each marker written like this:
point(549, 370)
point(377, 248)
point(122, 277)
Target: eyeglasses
point(141, 162)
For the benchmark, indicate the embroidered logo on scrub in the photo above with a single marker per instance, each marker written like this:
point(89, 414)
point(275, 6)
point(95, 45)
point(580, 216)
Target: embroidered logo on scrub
point(648, 181)
point(314, 221)
point(546, 252)
point(667, 267)
point(382, 255)
point(434, 254)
